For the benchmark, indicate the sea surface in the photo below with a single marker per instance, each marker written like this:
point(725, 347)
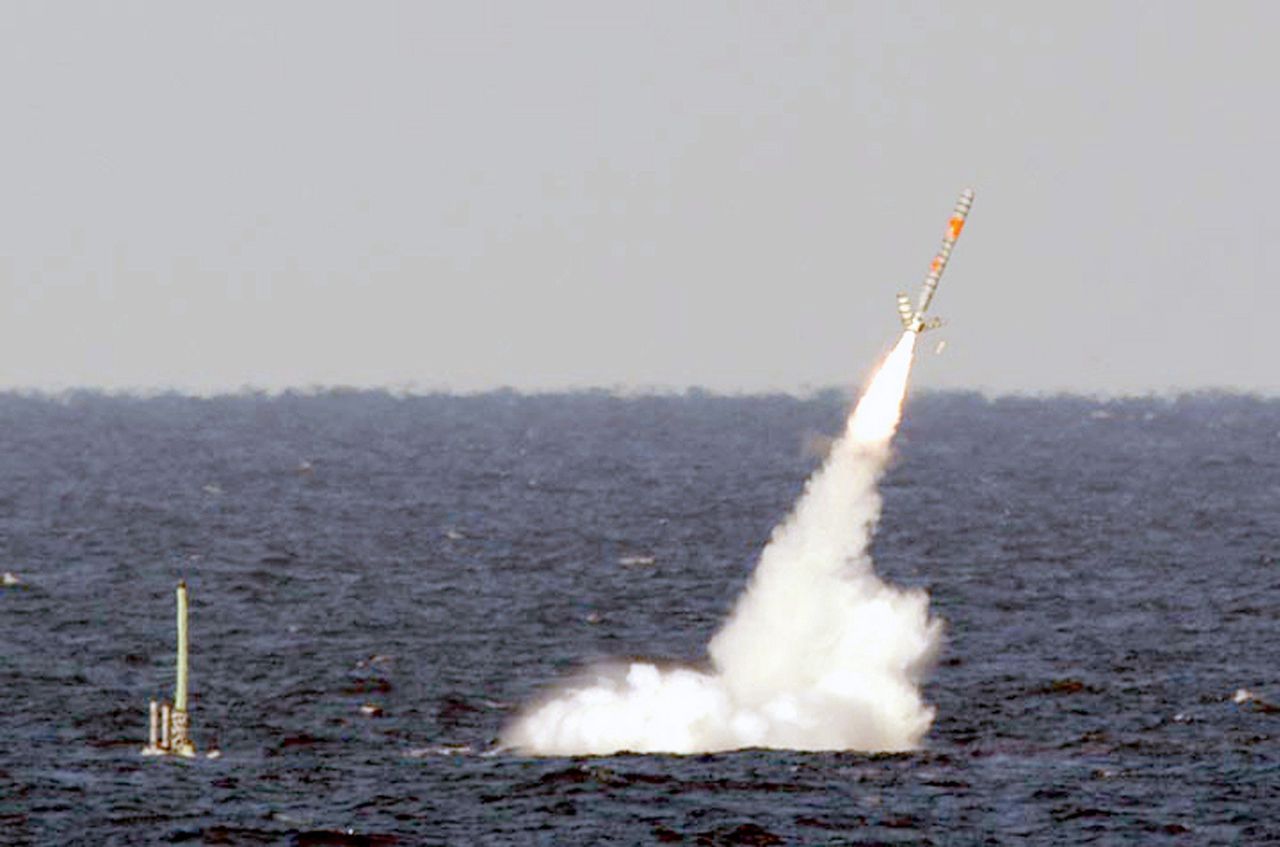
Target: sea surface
point(377, 582)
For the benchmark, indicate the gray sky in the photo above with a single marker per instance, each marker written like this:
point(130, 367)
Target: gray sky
point(546, 195)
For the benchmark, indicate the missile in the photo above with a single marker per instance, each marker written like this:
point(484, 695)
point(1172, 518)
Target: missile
point(913, 319)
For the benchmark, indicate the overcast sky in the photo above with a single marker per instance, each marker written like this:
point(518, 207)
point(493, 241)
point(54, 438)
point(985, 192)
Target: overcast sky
point(559, 194)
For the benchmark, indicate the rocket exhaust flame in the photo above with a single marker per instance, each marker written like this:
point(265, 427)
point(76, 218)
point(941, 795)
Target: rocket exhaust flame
point(875, 419)
point(818, 654)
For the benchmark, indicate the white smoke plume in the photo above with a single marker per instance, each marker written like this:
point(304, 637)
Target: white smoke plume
point(818, 654)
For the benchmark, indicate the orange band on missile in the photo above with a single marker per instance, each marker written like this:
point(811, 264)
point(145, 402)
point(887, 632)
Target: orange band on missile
point(954, 227)
point(936, 263)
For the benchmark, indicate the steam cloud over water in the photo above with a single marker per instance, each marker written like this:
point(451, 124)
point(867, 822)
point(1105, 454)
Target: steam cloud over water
point(818, 654)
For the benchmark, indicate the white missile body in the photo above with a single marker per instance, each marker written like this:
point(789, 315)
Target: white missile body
point(913, 320)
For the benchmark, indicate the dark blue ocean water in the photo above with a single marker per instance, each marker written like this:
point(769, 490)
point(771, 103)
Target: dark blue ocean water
point(1109, 573)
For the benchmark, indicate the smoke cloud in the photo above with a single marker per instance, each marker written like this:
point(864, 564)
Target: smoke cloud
point(818, 654)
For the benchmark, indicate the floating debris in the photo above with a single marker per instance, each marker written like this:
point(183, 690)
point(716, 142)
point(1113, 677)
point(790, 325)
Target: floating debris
point(1256, 703)
point(169, 724)
point(376, 660)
